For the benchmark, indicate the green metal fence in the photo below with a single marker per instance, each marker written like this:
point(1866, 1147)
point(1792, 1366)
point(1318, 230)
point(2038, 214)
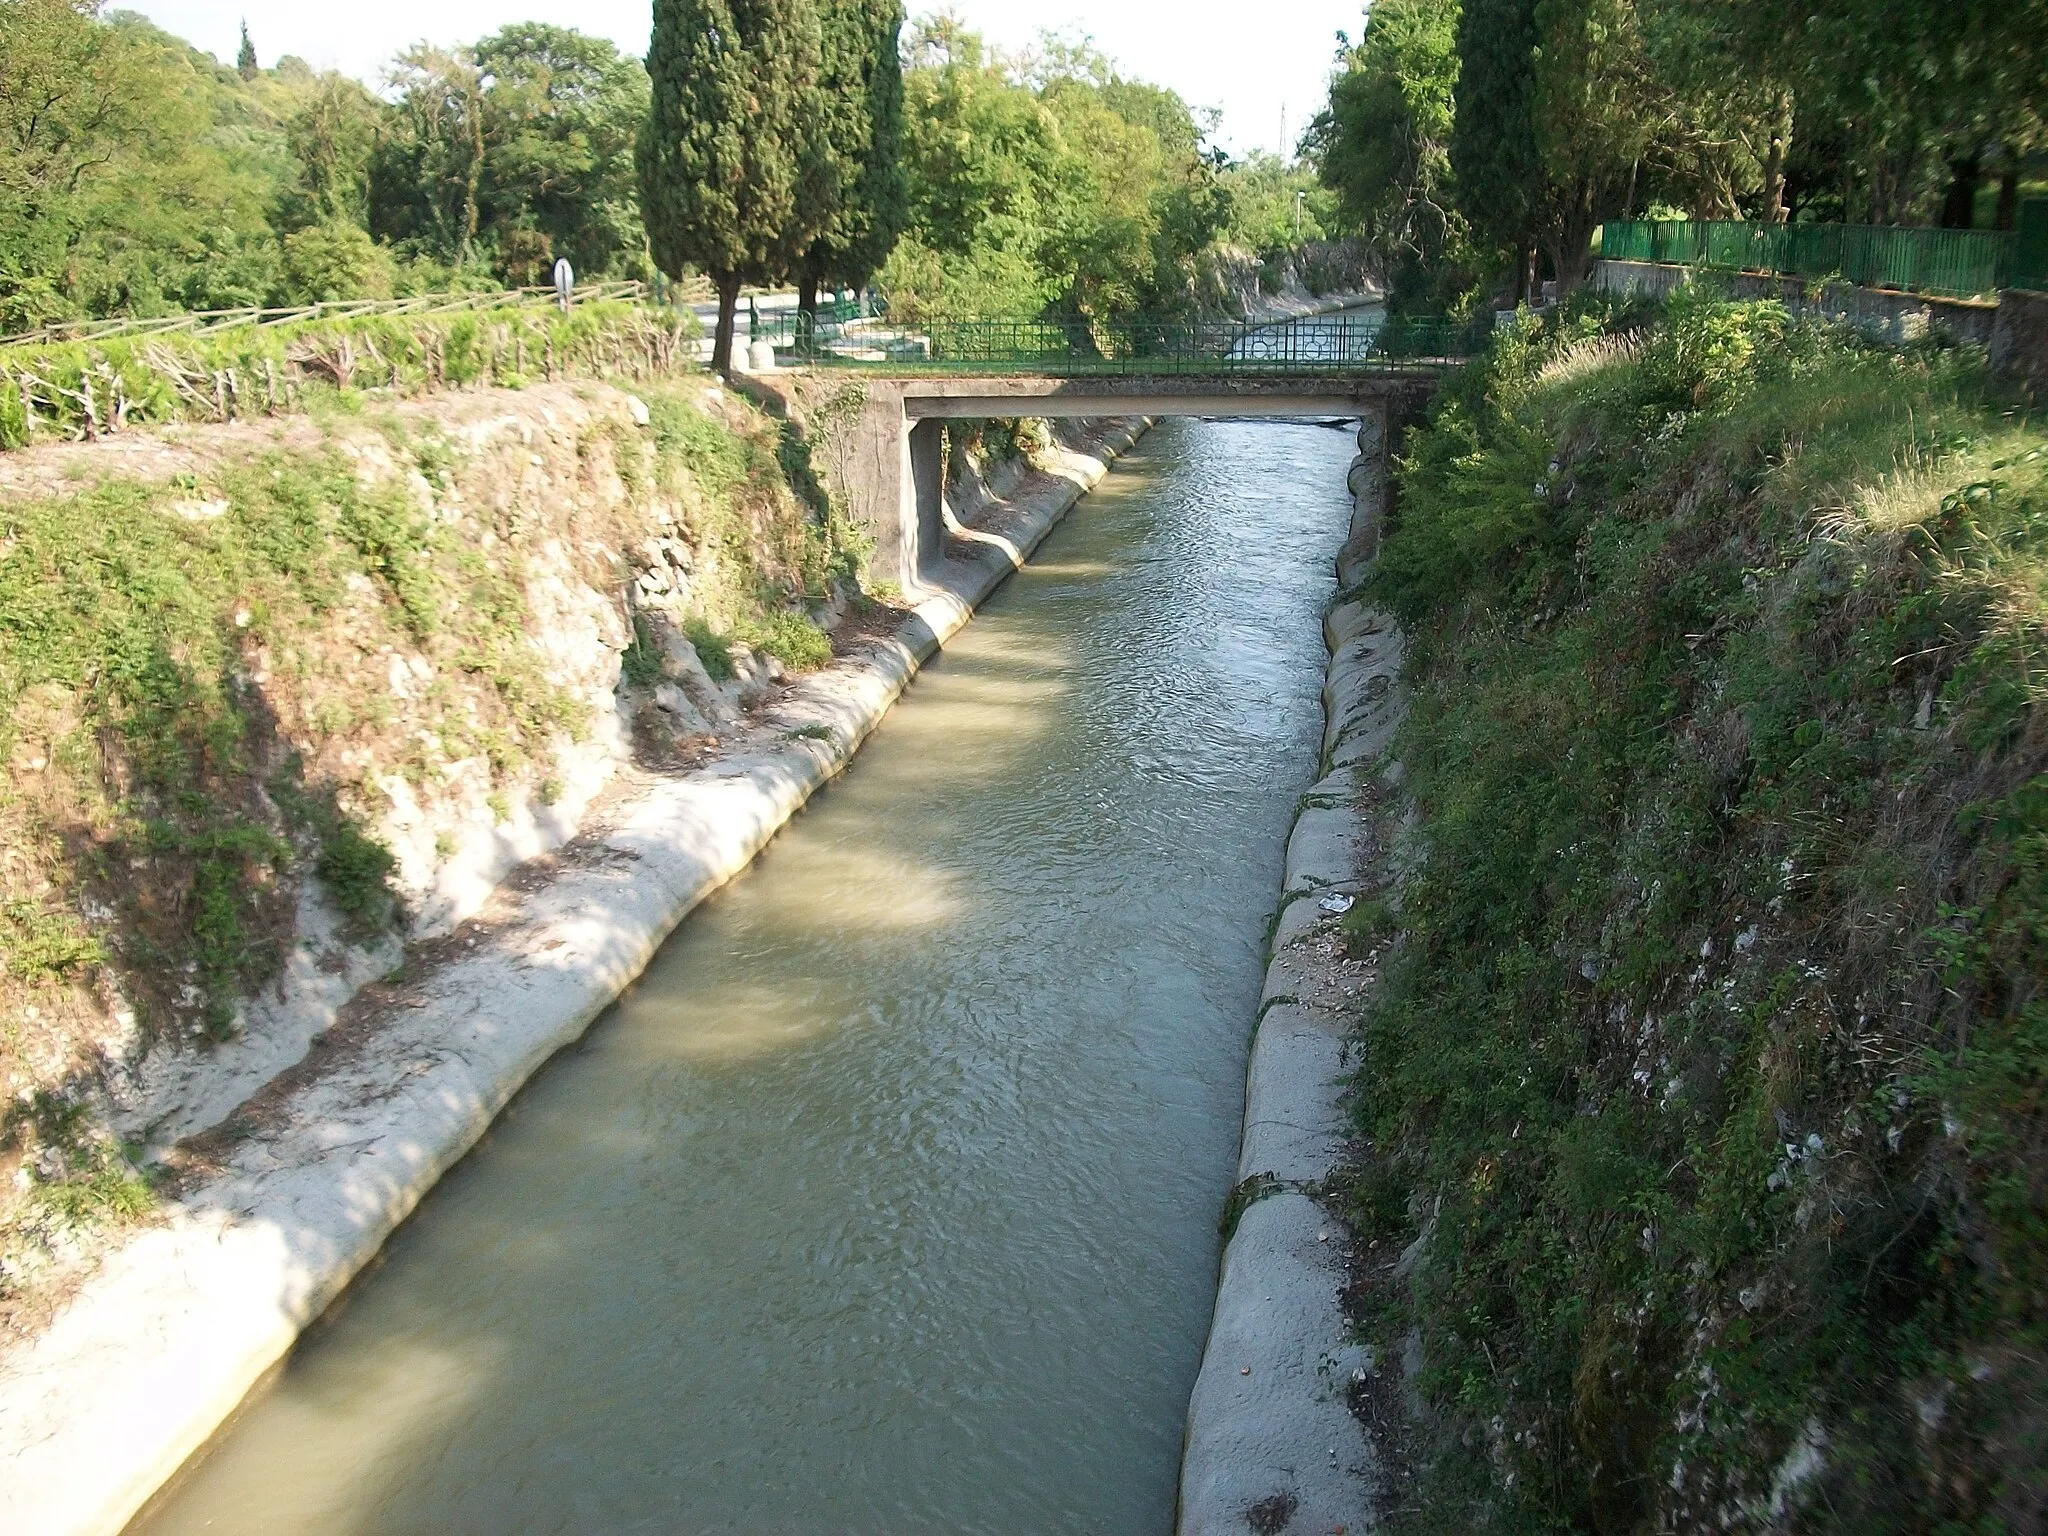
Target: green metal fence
point(1952, 262)
point(1335, 343)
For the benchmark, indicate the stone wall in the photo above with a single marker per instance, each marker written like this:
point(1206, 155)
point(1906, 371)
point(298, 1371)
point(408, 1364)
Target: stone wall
point(1897, 317)
point(2019, 341)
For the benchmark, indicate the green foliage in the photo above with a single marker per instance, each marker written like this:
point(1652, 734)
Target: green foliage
point(512, 153)
point(640, 662)
point(734, 168)
point(1383, 145)
point(792, 638)
point(41, 945)
point(1274, 206)
point(858, 98)
point(138, 176)
point(1713, 1045)
point(146, 605)
point(355, 869)
point(1493, 149)
point(333, 261)
point(80, 1177)
point(87, 389)
point(713, 649)
point(1072, 190)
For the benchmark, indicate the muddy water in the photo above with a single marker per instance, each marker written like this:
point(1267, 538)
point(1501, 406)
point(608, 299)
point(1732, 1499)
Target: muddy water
point(886, 1201)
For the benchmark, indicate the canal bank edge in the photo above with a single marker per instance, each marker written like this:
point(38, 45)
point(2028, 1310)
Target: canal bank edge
point(1271, 1440)
point(161, 1346)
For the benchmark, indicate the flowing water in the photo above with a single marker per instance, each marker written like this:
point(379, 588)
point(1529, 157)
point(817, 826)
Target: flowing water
point(886, 1200)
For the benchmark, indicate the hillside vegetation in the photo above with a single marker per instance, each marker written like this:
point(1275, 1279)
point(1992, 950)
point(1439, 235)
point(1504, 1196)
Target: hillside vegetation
point(249, 666)
point(1708, 1066)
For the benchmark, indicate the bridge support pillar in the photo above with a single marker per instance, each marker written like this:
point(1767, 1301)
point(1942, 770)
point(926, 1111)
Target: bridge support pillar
point(924, 508)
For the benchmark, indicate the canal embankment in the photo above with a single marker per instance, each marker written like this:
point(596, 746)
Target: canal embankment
point(296, 1191)
point(1273, 1440)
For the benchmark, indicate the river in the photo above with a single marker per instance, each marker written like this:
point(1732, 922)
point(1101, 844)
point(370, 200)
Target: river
point(886, 1200)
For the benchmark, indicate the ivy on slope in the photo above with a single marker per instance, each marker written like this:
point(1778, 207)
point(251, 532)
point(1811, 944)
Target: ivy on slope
point(1714, 1044)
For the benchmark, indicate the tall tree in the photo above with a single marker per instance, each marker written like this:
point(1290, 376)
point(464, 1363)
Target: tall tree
point(1493, 135)
point(734, 178)
point(1383, 143)
point(859, 100)
point(331, 136)
point(245, 61)
point(1594, 105)
point(426, 177)
point(561, 113)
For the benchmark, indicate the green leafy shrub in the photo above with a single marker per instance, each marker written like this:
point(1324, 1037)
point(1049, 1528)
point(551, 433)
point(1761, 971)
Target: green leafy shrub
point(640, 662)
point(792, 638)
point(713, 649)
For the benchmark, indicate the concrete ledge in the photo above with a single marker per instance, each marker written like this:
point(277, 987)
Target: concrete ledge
point(1270, 1428)
point(166, 1340)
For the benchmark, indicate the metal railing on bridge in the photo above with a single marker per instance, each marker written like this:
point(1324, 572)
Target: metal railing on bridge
point(1330, 343)
point(1954, 263)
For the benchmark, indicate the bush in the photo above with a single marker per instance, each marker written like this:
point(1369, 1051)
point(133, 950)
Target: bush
point(334, 261)
point(793, 639)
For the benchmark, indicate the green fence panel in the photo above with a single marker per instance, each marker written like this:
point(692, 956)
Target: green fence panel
point(1957, 262)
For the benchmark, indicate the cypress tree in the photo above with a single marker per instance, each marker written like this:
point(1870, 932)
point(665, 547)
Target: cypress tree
point(245, 61)
point(733, 175)
point(1495, 163)
point(860, 105)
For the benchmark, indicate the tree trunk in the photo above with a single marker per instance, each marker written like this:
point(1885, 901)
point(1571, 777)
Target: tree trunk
point(1775, 211)
point(2007, 216)
point(1959, 209)
point(728, 314)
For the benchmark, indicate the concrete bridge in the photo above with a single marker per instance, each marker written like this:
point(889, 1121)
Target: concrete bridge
point(889, 465)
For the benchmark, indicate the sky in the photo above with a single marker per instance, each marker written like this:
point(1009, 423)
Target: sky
point(1204, 49)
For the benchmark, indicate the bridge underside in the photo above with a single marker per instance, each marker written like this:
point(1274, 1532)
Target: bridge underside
point(895, 472)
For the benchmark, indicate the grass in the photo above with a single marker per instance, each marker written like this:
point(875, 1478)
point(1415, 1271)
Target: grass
point(89, 389)
point(1716, 1039)
point(41, 945)
point(713, 649)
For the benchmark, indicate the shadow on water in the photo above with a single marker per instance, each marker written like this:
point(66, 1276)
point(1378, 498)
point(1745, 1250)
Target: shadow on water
point(886, 1200)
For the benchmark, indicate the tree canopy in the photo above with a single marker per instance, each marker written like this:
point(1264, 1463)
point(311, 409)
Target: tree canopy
point(1469, 139)
point(858, 100)
point(1046, 182)
point(139, 175)
point(735, 171)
